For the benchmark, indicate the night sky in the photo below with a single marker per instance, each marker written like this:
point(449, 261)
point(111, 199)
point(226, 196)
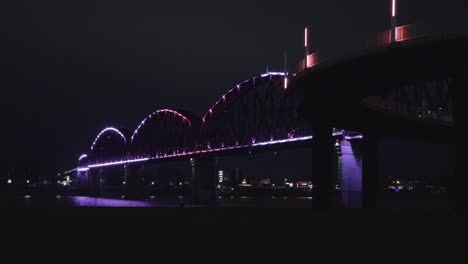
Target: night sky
point(71, 68)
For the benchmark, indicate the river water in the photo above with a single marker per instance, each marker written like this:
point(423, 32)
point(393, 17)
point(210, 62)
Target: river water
point(152, 201)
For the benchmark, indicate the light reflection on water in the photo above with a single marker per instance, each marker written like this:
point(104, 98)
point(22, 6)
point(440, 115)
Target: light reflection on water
point(150, 201)
point(106, 202)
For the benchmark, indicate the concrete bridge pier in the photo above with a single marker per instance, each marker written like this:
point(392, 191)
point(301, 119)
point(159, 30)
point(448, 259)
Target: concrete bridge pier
point(94, 178)
point(133, 182)
point(351, 173)
point(322, 167)
point(203, 180)
point(459, 180)
point(81, 182)
point(370, 168)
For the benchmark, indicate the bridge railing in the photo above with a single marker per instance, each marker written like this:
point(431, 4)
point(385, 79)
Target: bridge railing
point(420, 31)
point(411, 111)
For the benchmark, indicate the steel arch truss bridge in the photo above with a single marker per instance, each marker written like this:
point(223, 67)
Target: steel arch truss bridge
point(254, 113)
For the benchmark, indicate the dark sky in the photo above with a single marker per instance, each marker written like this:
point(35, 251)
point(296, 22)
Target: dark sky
point(71, 68)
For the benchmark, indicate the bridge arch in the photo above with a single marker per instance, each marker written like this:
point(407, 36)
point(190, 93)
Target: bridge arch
point(109, 145)
point(163, 132)
point(83, 162)
point(256, 110)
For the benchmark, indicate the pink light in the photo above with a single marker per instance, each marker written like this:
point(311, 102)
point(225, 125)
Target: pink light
point(393, 8)
point(165, 156)
point(238, 86)
point(157, 113)
point(306, 37)
point(82, 157)
point(106, 130)
point(285, 82)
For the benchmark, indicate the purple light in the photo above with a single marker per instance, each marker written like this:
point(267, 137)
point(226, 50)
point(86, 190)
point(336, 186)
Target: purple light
point(70, 171)
point(105, 202)
point(156, 157)
point(338, 133)
point(210, 111)
point(82, 157)
point(209, 149)
point(272, 73)
point(157, 113)
point(104, 131)
point(353, 137)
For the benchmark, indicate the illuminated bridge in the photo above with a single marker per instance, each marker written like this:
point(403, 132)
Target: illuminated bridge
point(403, 86)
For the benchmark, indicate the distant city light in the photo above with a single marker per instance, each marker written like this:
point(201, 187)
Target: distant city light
point(152, 183)
point(123, 182)
point(27, 181)
point(9, 181)
point(220, 176)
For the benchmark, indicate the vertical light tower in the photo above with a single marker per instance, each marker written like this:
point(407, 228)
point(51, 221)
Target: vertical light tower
point(286, 78)
point(306, 46)
point(393, 22)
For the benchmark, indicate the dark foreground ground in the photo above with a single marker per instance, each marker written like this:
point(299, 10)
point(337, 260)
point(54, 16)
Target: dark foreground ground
point(248, 235)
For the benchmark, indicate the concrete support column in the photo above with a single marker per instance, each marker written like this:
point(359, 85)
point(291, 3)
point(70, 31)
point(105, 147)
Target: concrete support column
point(81, 182)
point(459, 180)
point(133, 183)
point(351, 179)
point(370, 169)
point(203, 180)
point(322, 164)
point(94, 177)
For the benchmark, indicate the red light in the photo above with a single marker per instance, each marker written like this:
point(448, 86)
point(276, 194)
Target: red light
point(306, 33)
